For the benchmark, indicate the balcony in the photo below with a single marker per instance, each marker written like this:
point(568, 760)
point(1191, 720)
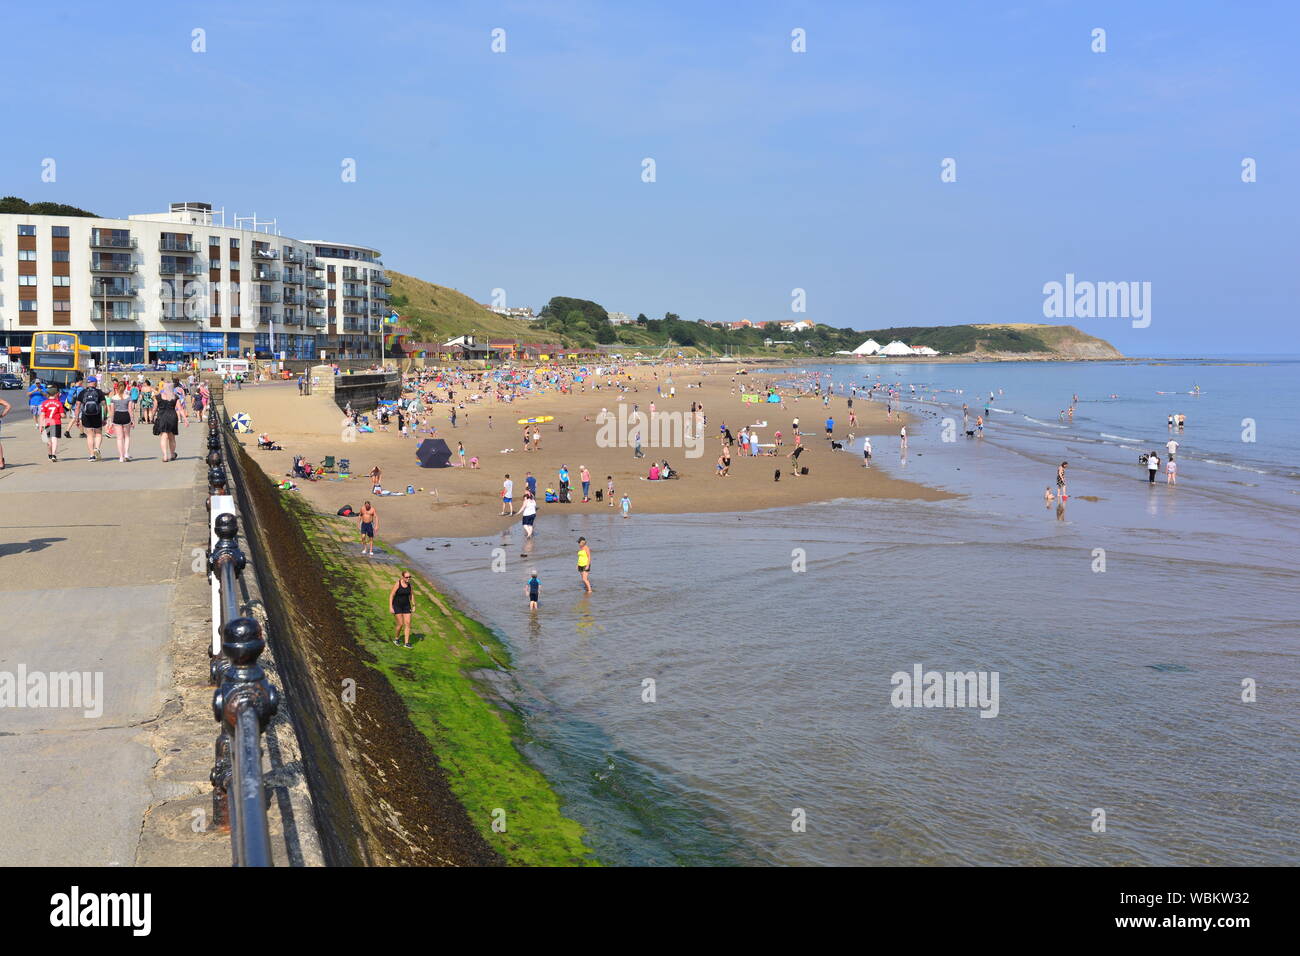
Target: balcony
point(180, 315)
point(316, 301)
point(112, 242)
point(316, 321)
point(180, 269)
point(294, 257)
point(102, 291)
point(384, 296)
point(350, 309)
point(294, 298)
point(178, 245)
point(265, 254)
point(113, 265)
point(385, 281)
point(132, 315)
point(264, 275)
point(314, 283)
point(268, 297)
point(294, 278)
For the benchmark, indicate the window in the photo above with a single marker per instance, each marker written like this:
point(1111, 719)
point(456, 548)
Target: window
point(27, 280)
point(26, 255)
point(59, 232)
point(62, 306)
point(26, 230)
point(59, 255)
point(60, 280)
point(234, 243)
point(214, 240)
point(26, 305)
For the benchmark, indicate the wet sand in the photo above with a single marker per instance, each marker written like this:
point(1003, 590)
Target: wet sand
point(468, 501)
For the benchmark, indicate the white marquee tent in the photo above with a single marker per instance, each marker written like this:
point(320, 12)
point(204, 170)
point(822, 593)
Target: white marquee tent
point(869, 347)
point(896, 348)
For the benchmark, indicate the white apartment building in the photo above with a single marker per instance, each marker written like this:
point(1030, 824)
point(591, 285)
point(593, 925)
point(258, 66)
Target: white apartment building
point(178, 285)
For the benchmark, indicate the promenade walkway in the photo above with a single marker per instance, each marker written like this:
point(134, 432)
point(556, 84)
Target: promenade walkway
point(101, 573)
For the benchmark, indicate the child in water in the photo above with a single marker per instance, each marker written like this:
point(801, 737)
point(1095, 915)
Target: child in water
point(534, 590)
point(627, 505)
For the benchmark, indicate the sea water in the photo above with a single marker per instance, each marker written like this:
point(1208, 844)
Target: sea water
point(1143, 638)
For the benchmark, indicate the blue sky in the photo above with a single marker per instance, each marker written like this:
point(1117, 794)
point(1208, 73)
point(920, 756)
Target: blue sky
point(775, 170)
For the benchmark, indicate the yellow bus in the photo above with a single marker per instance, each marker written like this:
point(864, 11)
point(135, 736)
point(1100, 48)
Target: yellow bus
point(58, 358)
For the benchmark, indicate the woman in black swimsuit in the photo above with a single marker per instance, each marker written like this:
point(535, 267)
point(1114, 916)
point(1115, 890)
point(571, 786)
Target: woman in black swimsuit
point(165, 424)
point(399, 602)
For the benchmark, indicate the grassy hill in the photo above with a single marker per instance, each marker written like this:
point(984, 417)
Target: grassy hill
point(437, 314)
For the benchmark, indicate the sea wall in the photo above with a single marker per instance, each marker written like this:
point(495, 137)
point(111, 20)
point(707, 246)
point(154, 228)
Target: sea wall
point(379, 795)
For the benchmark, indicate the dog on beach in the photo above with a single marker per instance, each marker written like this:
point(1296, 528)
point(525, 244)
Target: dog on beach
point(777, 475)
point(837, 446)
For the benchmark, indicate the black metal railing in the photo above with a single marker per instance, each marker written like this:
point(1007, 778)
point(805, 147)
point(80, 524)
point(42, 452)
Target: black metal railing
point(245, 701)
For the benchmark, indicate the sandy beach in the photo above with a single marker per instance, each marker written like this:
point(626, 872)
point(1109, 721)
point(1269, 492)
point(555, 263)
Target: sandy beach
point(467, 501)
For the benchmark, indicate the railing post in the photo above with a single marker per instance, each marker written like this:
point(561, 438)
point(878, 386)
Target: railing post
point(244, 704)
point(226, 563)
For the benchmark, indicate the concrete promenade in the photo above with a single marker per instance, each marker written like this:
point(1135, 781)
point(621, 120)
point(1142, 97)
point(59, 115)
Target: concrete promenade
point(101, 574)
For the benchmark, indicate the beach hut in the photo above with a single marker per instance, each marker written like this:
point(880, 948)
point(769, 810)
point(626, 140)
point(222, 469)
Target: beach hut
point(896, 348)
point(869, 347)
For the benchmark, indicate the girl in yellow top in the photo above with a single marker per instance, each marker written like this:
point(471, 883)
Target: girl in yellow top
point(584, 562)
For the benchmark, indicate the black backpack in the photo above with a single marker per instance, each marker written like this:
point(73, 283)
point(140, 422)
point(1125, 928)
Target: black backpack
point(91, 400)
point(346, 512)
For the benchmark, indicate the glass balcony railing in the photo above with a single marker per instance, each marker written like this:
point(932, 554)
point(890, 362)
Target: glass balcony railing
point(98, 241)
point(265, 254)
point(384, 280)
point(294, 298)
point(314, 283)
point(294, 257)
point(178, 245)
point(316, 302)
point(269, 297)
point(295, 278)
point(113, 290)
point(179, 269)
point(264, 275)
point(112, 265)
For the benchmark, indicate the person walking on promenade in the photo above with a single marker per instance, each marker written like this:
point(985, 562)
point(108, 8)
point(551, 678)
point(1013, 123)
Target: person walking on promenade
point(123, 410)
point(584, 563)
point(51, 419)
point(89, 413)
point(166, 425)
point(400, 599)
point(369, 522)
point(205, 401)
point(147, 398)
point(4, 410)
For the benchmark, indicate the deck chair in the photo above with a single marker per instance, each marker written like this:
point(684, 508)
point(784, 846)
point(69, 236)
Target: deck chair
point(327, 465)
point(345, 466)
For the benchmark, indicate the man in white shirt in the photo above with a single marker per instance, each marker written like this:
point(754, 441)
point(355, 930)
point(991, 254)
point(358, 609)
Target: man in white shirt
point(1172, 447)
point(508, 497)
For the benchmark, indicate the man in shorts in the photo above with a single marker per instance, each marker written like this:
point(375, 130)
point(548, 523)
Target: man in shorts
point(51, 419)
point(89, 412)
point(369, 521)
point(507, 496)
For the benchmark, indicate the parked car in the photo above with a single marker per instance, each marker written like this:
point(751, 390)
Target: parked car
point(10, 381)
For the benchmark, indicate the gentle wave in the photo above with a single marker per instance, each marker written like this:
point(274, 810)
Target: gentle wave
point(1038, 421)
